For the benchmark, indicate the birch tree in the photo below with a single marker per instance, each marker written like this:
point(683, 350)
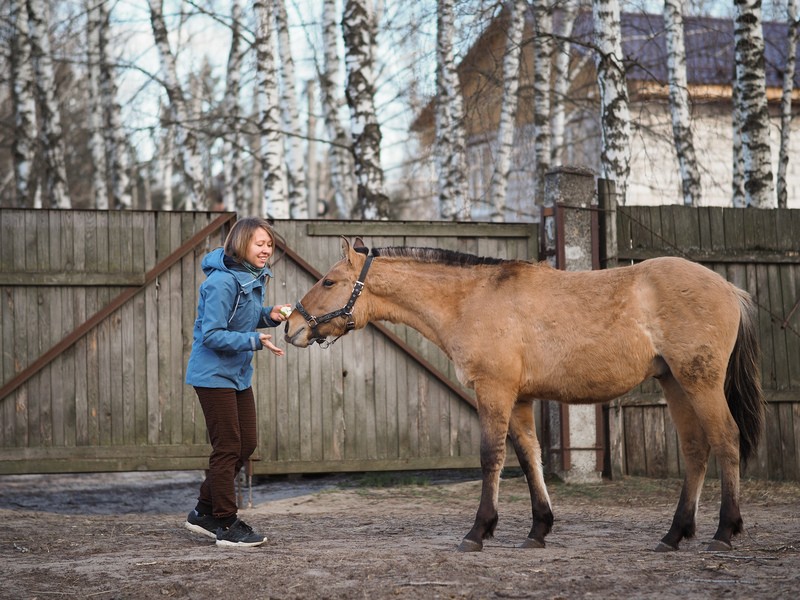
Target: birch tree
point(185, 137)
point(679, 102)
point(737, 166)
point(340, 156)
point(51, 134)
point(615, 153)
point(23, 92)
point(542, 57)
point(298, 189)
point(97, 143)
point(116, 142)
point(508, 110)
point(312, 162)
point(233, 194)
point(357, 28)
point(275, 201)
point(450, 137)
point(792, 35)
point(562, 79)
point(752, 95)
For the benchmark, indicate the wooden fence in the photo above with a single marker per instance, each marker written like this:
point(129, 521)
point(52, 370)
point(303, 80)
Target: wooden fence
point(97, 317)
point(96, 326)
point(759, 251)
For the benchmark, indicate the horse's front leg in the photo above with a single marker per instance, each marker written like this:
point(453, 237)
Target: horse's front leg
point(493, 419)
point(522, 430)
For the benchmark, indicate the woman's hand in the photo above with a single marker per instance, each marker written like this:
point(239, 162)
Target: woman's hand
point(280, 312)
point(265, 341)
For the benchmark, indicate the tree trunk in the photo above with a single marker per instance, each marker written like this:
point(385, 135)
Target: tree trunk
point(792, 36)
point(737, 168)
point(543, 55)
point(52, 139)
point(508, 110)
point(296, 175)
point(340, 155)
point(562, 80)
point(750, 81)
point(276, 202)
point(450, 138)
point(312, 163)
point(117, 149)
point(23, 92)
point(185, 137)
point(615, 153)
point(357, 26)
point(97, 143)
point(679, 102)
point(233, 194)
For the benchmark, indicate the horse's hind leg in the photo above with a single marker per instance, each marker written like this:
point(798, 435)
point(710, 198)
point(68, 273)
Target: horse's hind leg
point(522, 430)
point(695, 448)
point(704, 423)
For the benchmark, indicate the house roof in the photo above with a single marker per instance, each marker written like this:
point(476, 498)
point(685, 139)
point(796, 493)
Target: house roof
point(709, 48)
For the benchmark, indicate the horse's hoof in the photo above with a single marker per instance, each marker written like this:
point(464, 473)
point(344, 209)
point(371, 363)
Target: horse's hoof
point(718, 546)
point(532, 543)
point(469, 546)
point(662, 547)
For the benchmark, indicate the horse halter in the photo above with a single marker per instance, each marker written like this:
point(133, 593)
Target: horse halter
point(346, 311)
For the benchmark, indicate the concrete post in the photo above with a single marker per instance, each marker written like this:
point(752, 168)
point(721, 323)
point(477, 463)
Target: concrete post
point(571, 190)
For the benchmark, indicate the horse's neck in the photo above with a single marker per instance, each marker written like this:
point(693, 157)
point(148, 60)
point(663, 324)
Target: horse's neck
point(424, 296)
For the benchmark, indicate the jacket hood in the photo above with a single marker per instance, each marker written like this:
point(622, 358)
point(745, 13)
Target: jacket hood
point(214, 261)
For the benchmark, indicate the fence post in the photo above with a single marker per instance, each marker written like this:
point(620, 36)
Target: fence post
point(609, 248)
point(574, 431)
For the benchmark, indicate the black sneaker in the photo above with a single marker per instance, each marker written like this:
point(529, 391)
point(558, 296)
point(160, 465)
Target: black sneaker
point(202, 524)
point(239, 534)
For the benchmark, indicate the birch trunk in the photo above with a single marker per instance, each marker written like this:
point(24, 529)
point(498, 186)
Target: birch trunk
point(312, 163)
point(615, 154)
point(792, 36)
point(116, 142)
point(275, 201)
point(543, 55)
point(340, 155)
point(52, 138)
point(185, 137)
point(357, 28)
point(750, 81)
point(562, 80)
point(233, 193)
point(296, 175)
point(737, 181)
point(508, 110)
point(97, 143)
point(679, 102)
point(454, 202)
point(23, 90)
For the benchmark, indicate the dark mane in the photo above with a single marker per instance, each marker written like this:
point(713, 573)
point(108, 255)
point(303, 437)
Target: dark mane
point(439, 255)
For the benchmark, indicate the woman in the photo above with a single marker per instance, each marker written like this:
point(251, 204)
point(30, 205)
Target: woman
point(230, 309)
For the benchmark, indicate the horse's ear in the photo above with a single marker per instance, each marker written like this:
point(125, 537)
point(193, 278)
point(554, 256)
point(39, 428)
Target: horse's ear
point(358, 243)
point(345, 247)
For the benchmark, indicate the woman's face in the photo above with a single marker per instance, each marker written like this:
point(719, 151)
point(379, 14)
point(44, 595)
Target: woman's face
point(259, 249)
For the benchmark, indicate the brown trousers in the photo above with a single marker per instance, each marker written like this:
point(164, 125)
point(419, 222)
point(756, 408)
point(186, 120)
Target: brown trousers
point(232, 429)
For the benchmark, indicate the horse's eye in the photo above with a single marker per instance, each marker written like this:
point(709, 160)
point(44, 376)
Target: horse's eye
point(327, 283)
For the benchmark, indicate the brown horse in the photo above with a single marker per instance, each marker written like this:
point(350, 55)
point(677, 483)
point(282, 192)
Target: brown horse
point(517, 330)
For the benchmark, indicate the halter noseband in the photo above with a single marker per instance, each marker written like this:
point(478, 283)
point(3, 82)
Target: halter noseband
point(346, 311)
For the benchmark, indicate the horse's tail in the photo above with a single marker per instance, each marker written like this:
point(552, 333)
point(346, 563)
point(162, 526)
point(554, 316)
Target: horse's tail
point(743, 380)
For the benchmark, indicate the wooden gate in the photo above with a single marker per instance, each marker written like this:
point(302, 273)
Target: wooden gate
point(759, 251)
point(97, 315)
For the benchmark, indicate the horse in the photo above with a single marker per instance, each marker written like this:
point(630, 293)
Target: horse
point(518, 330)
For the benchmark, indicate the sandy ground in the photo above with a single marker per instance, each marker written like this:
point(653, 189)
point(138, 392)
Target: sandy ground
point(121, 536)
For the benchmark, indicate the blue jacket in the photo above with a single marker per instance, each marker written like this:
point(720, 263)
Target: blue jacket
point(230, 309)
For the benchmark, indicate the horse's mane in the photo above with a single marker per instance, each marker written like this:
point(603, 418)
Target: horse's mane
point(439, 255)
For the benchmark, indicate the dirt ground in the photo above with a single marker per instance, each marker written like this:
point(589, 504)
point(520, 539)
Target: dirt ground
point(121, 536)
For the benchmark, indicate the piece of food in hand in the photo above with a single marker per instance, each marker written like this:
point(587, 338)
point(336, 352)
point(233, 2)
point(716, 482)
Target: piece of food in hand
point(286, 311)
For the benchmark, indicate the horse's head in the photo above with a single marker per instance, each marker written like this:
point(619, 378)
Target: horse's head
point(327, 309)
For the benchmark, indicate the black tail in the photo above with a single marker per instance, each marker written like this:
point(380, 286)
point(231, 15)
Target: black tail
point(743, 381)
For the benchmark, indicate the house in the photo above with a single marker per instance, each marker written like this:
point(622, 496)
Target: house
point(654, 177)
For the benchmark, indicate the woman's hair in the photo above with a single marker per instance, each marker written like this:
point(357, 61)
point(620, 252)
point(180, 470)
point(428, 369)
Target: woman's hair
point(241, 233)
